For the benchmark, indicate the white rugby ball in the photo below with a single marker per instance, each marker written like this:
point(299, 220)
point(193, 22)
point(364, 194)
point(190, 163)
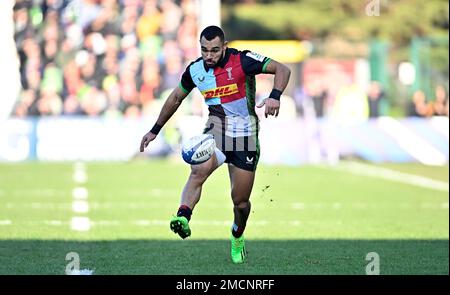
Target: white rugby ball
point(198, 149)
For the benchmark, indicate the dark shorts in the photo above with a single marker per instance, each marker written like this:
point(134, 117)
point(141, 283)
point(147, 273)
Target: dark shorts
point(246, 160)
point(242, 152)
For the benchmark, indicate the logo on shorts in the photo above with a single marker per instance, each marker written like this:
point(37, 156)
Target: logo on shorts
point(249, 160)
point(201, 79)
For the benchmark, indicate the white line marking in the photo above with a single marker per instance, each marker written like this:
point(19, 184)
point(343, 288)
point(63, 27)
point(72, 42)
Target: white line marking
point(80, 206)
point(106, 222)
point(5, 222)
point(337, 206)
point(80, 224)
point(298, 206)
point(392, 175)
point(79, 177)
point(53, 222)
point(160, 222)
point(79, 166)
point(140, 206)
point(80, 193)
point(39, 192)
point(36, 205)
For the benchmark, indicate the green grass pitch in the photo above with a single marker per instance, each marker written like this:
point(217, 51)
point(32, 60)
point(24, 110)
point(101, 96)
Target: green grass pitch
point(304, 220)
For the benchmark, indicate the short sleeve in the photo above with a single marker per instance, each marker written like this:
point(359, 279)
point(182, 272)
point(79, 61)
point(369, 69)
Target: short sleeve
point(253, 63)
point(186, 83)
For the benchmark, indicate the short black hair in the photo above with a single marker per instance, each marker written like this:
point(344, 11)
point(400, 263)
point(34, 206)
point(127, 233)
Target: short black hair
point(212, 32)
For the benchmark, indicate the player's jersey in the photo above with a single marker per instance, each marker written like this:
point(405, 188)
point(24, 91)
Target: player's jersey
point(229, 90)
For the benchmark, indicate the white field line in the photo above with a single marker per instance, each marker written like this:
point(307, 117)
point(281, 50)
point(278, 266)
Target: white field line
point(80, 223)
point(80, 195)
point(81, 192)
point(53, 222)
point(41, 192)
point(5, 222)
point(83, 208)
point(392, 175)
point(80, 176)
point(362, 205)
point(84, 224)
point(79, 166)
point(80, 206)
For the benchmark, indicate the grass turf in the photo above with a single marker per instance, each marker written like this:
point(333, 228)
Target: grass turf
point(304, 220)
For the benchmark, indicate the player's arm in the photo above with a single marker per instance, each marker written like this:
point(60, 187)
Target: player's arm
point(169, 108)
point(281, 72)
point(281, 79)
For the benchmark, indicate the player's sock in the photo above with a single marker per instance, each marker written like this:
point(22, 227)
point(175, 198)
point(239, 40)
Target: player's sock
point(237, 231)
point(185, 211)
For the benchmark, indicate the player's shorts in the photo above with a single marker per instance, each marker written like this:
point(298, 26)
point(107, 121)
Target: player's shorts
point(242, 152)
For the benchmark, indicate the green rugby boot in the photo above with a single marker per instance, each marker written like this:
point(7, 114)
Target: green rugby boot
point(180, 226)
point(238, 253)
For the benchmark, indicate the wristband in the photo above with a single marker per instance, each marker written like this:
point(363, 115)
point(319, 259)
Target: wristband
point(156, 128)
point(275, 94)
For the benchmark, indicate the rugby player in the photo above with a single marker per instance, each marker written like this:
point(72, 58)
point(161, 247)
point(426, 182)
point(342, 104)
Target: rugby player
point(226, 78)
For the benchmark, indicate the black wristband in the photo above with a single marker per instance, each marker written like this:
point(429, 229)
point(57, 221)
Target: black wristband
point(275, 94)
point(156, 128)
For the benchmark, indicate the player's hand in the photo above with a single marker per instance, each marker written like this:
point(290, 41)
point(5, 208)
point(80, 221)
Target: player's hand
point(146, 140)
point(272, 106)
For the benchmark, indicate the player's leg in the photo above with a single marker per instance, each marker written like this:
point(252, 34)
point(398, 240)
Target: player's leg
point(192, 192)
point(241, 188)
point(244, 160)
point(193, 187)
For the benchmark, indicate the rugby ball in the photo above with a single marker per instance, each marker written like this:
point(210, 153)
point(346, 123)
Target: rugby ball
point(198, 149)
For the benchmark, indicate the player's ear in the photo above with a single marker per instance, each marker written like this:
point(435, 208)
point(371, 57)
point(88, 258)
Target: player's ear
point(225, 44)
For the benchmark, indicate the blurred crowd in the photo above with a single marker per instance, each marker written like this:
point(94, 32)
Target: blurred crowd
point(352, 100)
point(101, 58)
point(122, 57)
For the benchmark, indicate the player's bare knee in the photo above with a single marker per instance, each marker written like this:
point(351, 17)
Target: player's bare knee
point(241, 204)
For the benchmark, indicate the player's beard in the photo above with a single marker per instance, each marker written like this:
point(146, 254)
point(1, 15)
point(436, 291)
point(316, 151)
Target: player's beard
point(218, 62)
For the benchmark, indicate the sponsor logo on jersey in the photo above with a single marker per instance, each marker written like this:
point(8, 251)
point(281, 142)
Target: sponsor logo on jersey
point(255, 56)
point(230, 77)
point(221, 91)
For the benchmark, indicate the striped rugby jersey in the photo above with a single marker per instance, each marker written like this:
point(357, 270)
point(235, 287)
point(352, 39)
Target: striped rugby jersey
point(229, 90)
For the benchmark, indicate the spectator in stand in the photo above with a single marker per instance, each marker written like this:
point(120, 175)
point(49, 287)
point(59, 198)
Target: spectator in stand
point(375, 96)
point(440, 104)
point(319, 97)
point(419, 106)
